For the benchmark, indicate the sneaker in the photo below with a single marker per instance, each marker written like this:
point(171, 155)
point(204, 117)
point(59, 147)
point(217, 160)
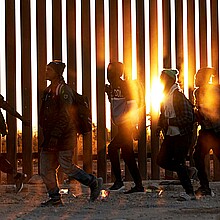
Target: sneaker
point(19, 180)
point(95, 189)
point(203, 191)
point(52, 202)
point(135, 190)
point(186, 197)
point(117, 186)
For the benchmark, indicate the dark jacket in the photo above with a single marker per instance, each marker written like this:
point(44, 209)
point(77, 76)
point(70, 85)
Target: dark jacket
point(184, 114)
point(207, 102)
point(56, 116)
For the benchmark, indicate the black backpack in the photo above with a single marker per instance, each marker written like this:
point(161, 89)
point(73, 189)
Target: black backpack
point(82, 112)
point(83, 118)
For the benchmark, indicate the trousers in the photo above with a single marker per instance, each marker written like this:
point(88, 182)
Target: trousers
point(124, 141)
point(207, 139)
point(50, 161)
point(172, 156)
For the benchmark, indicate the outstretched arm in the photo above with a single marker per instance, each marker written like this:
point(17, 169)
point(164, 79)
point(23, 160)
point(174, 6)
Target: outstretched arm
point(5, 105)
point(3, 128)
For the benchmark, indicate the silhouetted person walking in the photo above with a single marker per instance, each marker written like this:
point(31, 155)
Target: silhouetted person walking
point(122, 95)
point(207, 102)
point(176, 122)
point(5, 165)
point(57, 122)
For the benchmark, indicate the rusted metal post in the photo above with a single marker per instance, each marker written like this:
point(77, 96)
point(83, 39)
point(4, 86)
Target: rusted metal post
point(140, 36)
point(11, 82)
point(100, 82)
point(203, 33)
point(215, 38)
point(127, 52)
point(167, 49)
point(113, 44)
point(191, 44)
point(71, 56)
point(57, 30)
point(179, 38)
point(41, 62)
point(86, 79)
point(113, 30)
point(155, 172)
point(191, 64)
point(26, 86)
point(127, 38)
point(215, 64)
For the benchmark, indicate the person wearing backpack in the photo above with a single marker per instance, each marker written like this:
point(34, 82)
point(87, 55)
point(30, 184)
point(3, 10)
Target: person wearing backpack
point(176, 123)
point(207, 102)
point(57, 123)
point(124, 112)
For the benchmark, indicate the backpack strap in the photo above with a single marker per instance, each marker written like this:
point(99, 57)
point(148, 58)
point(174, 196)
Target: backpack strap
point(58, 89)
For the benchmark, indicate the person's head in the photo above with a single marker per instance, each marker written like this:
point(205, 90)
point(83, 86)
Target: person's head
point(203, 76)
point(114, 71)
point(168, 77)
point(54, 70)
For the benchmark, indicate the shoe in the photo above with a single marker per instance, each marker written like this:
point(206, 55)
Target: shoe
point(19, 180)
point(52, 202)
point(135, 190)
point(117, 186)
point(186, 197)
point(203, 191)
point(95, 189)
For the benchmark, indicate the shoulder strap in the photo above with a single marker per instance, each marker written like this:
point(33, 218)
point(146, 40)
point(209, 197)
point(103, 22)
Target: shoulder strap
point(58, 89)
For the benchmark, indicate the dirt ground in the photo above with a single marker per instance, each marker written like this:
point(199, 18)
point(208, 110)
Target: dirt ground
point(118, 206)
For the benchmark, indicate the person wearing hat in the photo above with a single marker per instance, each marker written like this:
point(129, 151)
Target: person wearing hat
point(207, 102)
point(57, 123)
point(176, 123)
point(122, 96)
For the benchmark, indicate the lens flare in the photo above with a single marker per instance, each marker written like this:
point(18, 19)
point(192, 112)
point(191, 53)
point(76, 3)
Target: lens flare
point(156, 94)
point(104, 194)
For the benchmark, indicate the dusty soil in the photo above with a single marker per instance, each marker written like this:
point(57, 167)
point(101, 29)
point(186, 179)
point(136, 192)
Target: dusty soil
point(148, 205)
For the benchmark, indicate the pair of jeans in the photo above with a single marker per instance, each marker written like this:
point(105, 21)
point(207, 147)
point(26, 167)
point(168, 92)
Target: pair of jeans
point(50, 161)
point(124, 141)
point(172, 156)
point(207, 140)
